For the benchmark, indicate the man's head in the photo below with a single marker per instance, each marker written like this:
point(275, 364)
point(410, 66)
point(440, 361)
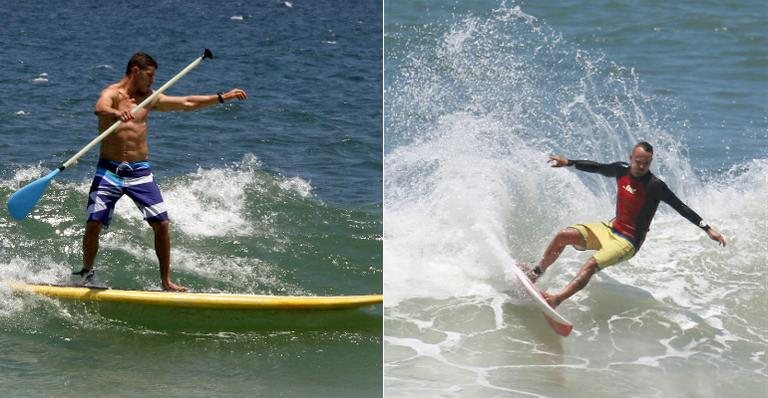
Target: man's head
point(141, 69)
point(640, 159)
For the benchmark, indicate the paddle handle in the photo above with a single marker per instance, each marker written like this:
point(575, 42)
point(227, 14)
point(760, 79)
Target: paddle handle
point(206, 54)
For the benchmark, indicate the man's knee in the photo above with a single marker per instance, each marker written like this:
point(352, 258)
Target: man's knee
point(160, 227)
point(570, 236)
point(93, 228)
point(591, 266)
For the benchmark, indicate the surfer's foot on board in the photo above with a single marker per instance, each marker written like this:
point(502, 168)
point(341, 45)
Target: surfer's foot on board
point(528, 270)
point(88, 276)
point(172, 287)
point(552, 299)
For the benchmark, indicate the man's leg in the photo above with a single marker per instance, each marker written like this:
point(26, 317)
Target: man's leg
point(163, 251)
point(566, 237)
point(582, 278)
point(90, 243)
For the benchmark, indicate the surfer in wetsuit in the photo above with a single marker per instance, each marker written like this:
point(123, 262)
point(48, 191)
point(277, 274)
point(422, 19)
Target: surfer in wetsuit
point(639, 194)
point(123, 168)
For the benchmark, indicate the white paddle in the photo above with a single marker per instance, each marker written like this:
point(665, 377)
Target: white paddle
point(22, 201)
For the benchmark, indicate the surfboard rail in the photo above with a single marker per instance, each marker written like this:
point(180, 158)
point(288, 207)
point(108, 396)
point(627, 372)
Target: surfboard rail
point(199, 300)
point(556, 321)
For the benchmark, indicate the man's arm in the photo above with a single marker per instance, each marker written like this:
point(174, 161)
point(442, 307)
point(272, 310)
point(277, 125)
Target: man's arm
point(608, 170)
point(671, 199)
point(193, 102)
point(104, 107)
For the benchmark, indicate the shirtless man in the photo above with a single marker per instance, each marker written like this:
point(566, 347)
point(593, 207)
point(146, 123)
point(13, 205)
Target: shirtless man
point(638, 197)
point(123, 168)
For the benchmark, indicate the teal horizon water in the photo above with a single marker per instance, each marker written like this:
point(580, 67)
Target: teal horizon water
point(478, 94)
point(279, 194)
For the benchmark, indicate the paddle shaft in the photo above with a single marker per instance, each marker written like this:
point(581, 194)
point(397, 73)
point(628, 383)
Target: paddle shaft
point(114, 126)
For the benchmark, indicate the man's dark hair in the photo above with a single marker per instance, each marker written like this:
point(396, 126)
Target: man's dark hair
point(646, 146)
point(142, 60)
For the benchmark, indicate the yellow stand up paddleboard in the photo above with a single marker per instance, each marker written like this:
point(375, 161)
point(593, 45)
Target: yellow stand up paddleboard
point(200, 300)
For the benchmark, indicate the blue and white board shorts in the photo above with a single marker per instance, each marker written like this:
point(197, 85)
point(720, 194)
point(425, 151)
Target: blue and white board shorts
point(115, 179)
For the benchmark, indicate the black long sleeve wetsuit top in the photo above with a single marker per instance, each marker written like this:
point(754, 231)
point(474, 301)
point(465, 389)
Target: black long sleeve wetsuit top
point(637, 199)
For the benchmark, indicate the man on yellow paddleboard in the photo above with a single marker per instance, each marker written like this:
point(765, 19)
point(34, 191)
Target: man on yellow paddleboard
point(123, 168)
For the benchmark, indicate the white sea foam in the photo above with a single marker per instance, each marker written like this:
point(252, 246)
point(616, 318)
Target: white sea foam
point(297, 185)
point(247, 274)
point(207, 203)
point(24, 176)
point(41, 78)
point(41, 270)
point(210, 202)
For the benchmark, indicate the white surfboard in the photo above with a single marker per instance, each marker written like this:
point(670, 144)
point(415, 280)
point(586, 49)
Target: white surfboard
point(559, 324)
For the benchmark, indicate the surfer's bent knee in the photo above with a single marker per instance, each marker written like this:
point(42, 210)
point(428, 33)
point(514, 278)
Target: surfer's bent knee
point(573, 237)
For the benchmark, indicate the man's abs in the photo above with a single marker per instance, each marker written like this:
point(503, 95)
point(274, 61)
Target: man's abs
point(127, 144)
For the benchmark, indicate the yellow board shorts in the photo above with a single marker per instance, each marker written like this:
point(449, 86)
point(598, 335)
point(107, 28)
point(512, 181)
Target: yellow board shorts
point(611, 248)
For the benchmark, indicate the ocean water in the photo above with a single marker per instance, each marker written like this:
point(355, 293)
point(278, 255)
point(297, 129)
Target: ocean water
point(477, 95)
point(280, 194)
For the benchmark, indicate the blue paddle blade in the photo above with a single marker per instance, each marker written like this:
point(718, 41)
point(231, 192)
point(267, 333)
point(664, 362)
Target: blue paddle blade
point(22, 201)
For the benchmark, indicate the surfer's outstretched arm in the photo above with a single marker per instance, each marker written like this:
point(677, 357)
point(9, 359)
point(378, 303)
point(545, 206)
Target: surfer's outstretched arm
point(671, 199)
point(605, 169)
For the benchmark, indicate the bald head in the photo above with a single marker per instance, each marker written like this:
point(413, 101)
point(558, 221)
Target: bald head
point(640, 159)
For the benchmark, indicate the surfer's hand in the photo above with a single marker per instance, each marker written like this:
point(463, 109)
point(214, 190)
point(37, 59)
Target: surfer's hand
point(716, 236)
point(558, 161)
point(235, 93)
point(126, 116)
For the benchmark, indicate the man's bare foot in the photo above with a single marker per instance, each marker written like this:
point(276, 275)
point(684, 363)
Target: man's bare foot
point(528, 270)
point(551, 299)
point(172, 287)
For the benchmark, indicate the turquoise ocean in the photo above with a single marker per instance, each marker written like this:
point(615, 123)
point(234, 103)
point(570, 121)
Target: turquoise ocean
point(478, 94)
point(280, 194)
